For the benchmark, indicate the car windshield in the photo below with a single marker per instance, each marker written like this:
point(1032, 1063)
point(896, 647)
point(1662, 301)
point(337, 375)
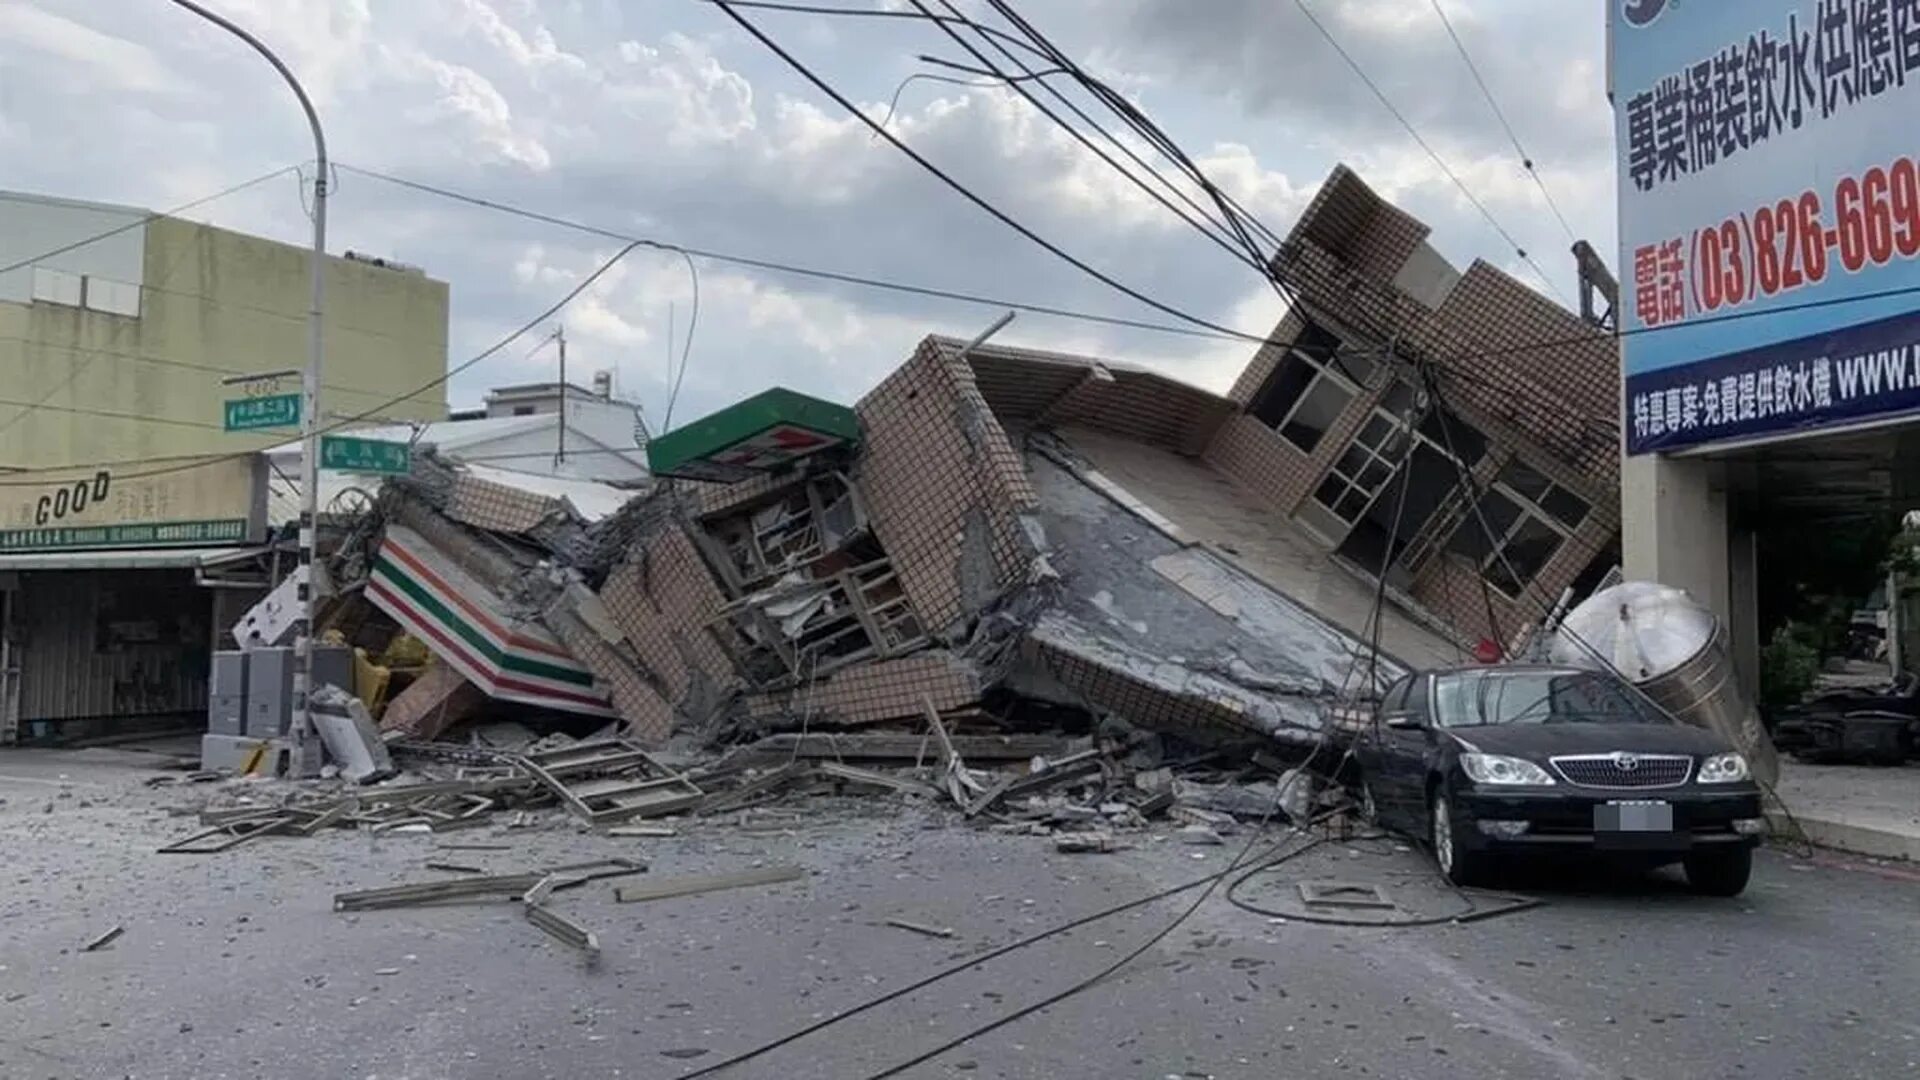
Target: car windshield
point(1473, 698)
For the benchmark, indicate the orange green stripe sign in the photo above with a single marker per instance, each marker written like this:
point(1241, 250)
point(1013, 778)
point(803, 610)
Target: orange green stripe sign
point(466, 625)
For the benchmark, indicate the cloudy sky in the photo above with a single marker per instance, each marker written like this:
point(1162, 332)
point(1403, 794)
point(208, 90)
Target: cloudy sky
point(664, 119)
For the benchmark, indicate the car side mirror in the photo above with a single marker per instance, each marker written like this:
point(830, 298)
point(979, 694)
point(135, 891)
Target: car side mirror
point(1402, 721)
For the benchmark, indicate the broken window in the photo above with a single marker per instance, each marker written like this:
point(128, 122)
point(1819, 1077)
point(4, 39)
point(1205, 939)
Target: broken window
point(1310, 387)
point(1563, 505)
point(1515, 542)
point(768, 540)
point(813, 588)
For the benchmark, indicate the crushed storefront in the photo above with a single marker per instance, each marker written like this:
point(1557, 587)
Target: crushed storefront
point(1001, 540)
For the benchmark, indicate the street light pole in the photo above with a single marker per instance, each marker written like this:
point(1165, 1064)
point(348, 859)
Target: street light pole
point(303, 756)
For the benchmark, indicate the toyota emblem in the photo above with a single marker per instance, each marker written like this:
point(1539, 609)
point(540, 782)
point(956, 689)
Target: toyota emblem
point(1626, 762)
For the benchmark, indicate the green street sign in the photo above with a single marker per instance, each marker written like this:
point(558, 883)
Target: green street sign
point(277, 410)
point(346, 453)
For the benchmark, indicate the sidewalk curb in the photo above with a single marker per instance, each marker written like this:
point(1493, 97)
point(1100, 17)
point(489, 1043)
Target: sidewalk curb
point(1845, 836)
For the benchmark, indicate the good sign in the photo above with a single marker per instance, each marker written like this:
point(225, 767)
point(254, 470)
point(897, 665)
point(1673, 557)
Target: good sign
point(71, 498)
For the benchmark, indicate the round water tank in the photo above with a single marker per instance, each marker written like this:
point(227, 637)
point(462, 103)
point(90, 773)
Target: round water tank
point(1672, 647)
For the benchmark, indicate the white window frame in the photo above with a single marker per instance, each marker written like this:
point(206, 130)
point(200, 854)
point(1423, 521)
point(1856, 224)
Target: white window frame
point(1326, 370)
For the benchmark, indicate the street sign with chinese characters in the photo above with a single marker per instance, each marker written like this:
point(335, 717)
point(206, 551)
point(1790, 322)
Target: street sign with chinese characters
point(1769, 205)
point(253, 413)
point(347, 453)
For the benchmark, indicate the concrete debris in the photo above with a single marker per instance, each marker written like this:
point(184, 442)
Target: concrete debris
point(910, 575)
point(1200, 834)
point(940, 603)
point(921, 928)
point(1079, 843)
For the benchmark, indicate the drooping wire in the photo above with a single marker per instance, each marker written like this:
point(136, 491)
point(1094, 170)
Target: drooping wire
point(1526, 160)
point(804, 271)
point(998, 214)
point(145, 219)
point(1438, 161)
point(686, 349)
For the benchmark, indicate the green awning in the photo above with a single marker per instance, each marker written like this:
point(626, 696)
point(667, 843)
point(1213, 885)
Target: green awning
point(764, 433)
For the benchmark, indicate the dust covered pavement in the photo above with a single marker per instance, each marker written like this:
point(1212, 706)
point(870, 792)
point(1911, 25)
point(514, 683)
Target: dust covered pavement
point(235, 964)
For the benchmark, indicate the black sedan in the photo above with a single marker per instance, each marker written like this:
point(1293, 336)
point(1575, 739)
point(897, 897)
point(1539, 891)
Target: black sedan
point(1494, 761)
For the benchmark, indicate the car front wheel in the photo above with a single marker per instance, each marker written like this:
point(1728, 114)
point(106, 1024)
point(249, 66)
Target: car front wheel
point(1719, 873)
point(1457, 864)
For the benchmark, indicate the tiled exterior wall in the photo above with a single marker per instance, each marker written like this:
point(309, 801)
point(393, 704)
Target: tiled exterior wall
point(663, 598)
point(1031, 388)
point(1255, 373)
point(719, 498)
point(1111, 689)
point(1255, 456)
point(1496, 319)
point(645, 711)
point(1142, 406)
point(1553, 404)
point(497, 507)
point(937, 464)
point(647, 630)
point(881, 690)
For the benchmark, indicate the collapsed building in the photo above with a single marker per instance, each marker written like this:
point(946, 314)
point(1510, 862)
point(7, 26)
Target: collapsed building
point(1013, 539)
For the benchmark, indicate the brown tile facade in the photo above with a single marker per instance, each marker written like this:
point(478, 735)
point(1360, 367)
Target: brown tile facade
point(882, 690)
point(1112, 689)
point(497, 507)
point(646, 628)
point(1533, 378)
point(944, 487)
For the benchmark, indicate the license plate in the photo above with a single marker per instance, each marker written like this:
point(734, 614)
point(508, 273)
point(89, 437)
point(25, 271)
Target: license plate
point(1633, 816)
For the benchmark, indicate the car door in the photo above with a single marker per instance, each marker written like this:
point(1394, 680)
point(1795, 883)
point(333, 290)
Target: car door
point(1405, 746)
point(1372, 744)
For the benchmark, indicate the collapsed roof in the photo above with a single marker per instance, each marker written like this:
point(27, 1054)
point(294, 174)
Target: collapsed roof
point(943, 552)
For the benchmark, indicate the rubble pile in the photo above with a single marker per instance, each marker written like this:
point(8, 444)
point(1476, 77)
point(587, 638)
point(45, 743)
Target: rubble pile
point(921, 595)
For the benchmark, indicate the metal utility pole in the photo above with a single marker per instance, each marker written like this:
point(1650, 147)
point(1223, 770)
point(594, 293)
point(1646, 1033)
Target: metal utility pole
point(304, 748)
point(560, 336)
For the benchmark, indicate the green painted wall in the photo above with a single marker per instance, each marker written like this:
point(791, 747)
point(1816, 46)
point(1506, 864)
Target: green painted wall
point(113, 389)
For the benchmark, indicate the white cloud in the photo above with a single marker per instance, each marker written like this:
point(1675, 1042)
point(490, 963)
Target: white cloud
point(114, 61)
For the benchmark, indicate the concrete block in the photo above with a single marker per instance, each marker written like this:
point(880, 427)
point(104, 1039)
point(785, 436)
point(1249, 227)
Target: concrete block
point(228, 753)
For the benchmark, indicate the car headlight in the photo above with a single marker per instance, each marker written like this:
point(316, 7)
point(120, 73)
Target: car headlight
point(1500, 769)
point(1723, 769)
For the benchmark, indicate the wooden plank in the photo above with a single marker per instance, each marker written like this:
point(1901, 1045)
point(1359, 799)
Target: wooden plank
point(705, 883)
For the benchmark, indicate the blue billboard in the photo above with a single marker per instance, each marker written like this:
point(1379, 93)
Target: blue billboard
point(1769, 183)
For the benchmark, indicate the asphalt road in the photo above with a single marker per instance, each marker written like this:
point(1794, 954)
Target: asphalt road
point(233, 965)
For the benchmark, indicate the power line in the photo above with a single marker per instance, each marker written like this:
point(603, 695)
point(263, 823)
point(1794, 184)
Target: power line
point(1221, 333)
point(1000, 215)
point(1255, 259)
point(693, 322)
point(1526, 160)
point(1424, 145)
point(146, 219)
point(165, 361)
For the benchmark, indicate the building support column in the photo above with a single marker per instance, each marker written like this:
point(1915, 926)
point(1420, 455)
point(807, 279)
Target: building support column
point(1674, 530)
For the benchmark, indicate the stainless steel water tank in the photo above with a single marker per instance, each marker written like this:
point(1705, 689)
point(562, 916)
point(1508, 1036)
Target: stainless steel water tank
point(1673, 648)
